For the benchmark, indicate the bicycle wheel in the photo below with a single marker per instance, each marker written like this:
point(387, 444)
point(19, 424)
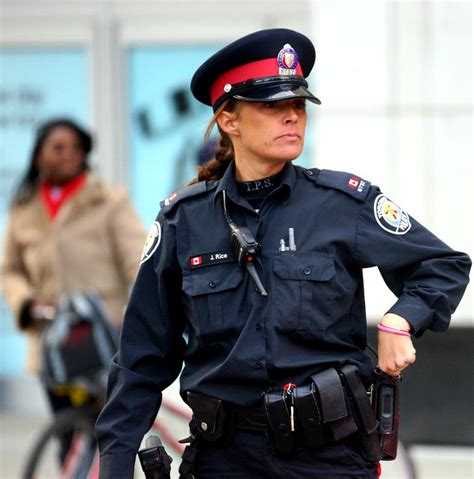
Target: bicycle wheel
point(46, 459)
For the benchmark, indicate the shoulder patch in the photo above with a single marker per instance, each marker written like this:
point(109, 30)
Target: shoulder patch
point(348, 183)
point(152, 242)
point(390, 217)
point(185, 193)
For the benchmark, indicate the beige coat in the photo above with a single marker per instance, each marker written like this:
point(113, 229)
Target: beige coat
point(93, 245)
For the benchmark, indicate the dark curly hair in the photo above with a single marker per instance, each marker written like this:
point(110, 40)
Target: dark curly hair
point(28, 184)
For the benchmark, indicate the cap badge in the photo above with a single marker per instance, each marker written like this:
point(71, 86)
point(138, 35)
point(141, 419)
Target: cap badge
point(287, 60)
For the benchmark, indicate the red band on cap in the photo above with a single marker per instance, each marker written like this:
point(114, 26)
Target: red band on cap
point(259, 69)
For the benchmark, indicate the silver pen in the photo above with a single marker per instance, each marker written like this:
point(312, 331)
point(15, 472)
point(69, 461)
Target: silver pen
point(291, 239)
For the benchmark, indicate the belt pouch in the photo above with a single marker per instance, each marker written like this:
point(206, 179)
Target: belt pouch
point(335, 412)
point(365, 417)
point(279, 422)
point(307, 411)
point(386, 406)
point(212, 418)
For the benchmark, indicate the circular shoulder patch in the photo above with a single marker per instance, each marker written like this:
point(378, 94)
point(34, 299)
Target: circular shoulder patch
point(390, 216)
point(152, 242)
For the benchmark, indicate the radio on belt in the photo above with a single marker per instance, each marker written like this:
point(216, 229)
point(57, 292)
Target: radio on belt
point(385, 401)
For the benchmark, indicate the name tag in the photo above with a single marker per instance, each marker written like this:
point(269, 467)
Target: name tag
point(207, 259)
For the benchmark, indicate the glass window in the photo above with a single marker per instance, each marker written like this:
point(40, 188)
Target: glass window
point(167, 124)
point(35, 85)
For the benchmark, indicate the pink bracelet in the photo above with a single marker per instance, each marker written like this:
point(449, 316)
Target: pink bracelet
point(388, 329)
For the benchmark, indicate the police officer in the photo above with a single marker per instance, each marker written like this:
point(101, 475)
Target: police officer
point(252, 277)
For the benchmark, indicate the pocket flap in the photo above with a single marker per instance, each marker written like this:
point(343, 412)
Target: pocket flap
point(212, 279)
point(303, 266)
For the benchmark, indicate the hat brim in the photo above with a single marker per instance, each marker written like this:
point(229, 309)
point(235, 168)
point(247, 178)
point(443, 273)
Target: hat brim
point(277, 93)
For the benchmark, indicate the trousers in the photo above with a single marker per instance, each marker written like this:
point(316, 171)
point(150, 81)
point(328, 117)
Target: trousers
point(248, 455)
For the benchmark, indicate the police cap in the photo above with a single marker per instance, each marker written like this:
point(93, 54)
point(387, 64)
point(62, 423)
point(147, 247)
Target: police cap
point(268, 65)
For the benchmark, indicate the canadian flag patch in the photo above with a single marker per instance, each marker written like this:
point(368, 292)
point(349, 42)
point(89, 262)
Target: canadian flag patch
point(196, 261)
point(353, 183)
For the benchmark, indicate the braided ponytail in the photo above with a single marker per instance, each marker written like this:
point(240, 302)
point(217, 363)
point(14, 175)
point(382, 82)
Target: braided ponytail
point(215, 168)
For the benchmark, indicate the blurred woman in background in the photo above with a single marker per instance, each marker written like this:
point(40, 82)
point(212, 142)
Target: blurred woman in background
point(68, 231)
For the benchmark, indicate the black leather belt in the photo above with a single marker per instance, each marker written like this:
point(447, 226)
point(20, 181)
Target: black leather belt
point(250, 419)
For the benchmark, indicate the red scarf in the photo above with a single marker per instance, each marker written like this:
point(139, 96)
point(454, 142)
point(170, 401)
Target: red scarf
point(54, 197)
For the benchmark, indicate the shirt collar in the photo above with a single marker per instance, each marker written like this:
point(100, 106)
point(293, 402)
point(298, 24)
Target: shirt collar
point(227, 183)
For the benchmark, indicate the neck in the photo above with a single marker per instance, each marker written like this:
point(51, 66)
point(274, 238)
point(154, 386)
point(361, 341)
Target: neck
point(60, 182)
point(71, 183)
point(255, 171)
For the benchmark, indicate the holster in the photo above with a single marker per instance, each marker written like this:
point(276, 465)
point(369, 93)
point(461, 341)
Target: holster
point(213, 420)
point(279, 422)
point(385, 402)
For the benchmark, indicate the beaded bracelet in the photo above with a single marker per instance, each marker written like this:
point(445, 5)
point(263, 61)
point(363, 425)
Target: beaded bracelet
point(388, 329)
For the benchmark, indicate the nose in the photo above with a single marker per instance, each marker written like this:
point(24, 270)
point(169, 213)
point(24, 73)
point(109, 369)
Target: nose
point(291, 114)
point(71, 153)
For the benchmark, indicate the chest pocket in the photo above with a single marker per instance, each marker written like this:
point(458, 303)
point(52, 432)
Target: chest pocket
point(212, 303)
point(303, 290)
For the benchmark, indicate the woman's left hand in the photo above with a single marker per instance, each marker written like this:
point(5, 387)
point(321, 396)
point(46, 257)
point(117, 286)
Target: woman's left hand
point(395, 352)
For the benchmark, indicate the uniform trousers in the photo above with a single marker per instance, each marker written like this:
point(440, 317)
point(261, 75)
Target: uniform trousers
point(249, 455)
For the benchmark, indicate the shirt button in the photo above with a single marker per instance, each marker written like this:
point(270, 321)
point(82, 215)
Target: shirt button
point(212, 284)
point(310, 173)
point(258, 365)
point(258, 326)
point(307, 271)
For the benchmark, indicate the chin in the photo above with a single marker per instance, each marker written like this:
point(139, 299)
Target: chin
point(288, 156)
point(282, 161)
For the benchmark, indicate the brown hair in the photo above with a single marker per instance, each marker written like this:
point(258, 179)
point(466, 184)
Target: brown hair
point(215, 168)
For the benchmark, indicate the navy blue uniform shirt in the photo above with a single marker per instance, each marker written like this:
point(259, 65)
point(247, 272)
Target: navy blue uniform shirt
point(191, 302)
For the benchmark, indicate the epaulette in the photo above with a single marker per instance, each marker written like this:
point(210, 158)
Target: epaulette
point(348, 183)
point(191, 191)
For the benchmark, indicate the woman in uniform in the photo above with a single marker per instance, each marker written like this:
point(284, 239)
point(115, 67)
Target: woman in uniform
point(252, 278)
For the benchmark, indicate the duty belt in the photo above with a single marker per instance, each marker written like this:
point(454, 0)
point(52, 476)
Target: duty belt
point(333, 406)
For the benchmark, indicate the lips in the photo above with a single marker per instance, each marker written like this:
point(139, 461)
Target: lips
point(289, 136)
